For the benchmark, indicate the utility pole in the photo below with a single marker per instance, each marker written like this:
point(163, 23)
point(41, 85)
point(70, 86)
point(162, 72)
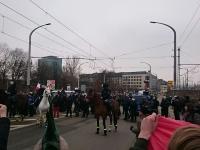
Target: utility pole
point(104, 77)
point(179, 70)
point(187, 78)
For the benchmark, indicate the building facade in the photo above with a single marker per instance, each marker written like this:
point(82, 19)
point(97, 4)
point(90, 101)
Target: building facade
point(50, 68)
point(122, 81)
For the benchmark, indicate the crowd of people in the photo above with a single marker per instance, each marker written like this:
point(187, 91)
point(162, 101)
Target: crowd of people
point(145, 107)
point(183, 108)
point(26, 103)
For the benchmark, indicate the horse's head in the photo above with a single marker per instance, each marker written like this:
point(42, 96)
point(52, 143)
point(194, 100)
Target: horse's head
point(47, 92)
point(44, 104)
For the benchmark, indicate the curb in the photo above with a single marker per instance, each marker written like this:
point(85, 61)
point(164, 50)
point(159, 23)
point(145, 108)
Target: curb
point(15, 127)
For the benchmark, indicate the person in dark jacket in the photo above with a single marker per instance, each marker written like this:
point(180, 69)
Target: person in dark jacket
point(70, 101)
point(56, 103)
point(12, 92)
point(177, 107)
point(30, 104)
point(133, 109)
point(4, 127)
point(155, 104)
point(126, 104)
point(106, 92)
point(191, 114)
point(165, 103)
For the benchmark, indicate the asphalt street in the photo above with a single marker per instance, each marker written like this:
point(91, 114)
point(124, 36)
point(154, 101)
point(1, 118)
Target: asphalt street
point(79, 134)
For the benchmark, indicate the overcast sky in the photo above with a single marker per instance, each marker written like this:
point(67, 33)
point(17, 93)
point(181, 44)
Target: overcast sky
point(117, 29)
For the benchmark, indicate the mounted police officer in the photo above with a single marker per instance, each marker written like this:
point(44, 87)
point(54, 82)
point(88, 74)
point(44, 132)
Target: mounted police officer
point(106, 96)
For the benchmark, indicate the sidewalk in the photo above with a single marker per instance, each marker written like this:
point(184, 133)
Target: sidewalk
point(28, 121)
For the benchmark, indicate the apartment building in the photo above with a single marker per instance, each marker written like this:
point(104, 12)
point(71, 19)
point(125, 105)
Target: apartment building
point(125, 81)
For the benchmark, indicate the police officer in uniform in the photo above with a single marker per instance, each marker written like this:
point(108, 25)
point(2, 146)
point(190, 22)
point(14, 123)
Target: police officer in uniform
point(106, 96)
point(177, 107)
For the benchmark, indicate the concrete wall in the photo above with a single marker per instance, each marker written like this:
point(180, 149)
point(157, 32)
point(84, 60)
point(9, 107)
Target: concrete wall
point(193, 94)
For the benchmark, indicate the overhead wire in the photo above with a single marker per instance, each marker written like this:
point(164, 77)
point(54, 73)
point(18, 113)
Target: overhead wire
point(68, 28)
point(150, 57)
point(36, 33)
point(42, 27)
point(160, 67)
point(188, 35)
point(40, 34)
point(34, 44)
point(189, 23)
point(190, 56)
point(192, 69)
point(145, 49)
point(46, 29)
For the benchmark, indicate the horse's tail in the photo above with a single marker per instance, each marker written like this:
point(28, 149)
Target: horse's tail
point(116, 108)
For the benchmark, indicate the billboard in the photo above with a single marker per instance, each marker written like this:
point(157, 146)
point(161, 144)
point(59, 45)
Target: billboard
point(68, 88)
point(83, 88)
point(170, 84)
point(51, 84)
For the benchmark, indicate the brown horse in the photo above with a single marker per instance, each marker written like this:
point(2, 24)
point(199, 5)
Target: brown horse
point(101, 110)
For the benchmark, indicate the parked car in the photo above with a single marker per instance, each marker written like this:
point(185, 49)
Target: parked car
point(67, 92)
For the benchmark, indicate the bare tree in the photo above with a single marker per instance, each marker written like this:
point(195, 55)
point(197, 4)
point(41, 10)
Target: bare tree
point(70, 72)
point(34, 74)
point(18, 59)
point(4, 63)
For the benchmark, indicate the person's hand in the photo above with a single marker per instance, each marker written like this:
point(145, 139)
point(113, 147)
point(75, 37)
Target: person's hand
point(148, 125)
point(3, 111)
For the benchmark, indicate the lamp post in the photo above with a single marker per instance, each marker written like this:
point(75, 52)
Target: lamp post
point(149, 73)
point(174, 48)
point(29, 54)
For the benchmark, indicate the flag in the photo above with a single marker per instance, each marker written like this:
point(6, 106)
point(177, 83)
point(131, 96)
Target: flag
point(38, 86)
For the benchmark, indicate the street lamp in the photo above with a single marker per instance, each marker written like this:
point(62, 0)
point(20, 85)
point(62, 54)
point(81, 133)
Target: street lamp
point(174, 48)
point(149, 73)
point(29, 54)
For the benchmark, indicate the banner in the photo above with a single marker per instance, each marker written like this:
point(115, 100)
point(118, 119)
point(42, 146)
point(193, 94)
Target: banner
point(68, 88)
point(51, 84)
point(38, 86)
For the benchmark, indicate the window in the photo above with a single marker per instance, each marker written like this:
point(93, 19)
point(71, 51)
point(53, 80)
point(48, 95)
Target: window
point(146, 77)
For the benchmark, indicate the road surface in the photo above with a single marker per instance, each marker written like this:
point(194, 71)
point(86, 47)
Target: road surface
point(78, 132)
